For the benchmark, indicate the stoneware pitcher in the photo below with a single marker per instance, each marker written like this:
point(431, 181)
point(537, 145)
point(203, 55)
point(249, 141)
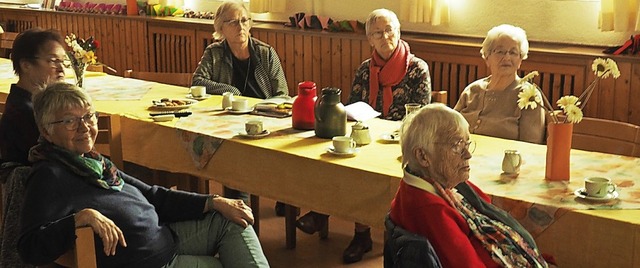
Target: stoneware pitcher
point(360, 133)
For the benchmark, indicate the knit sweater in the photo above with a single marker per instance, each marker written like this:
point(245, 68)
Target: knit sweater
point(496, 113)
point(54, 194)
point(215, 70)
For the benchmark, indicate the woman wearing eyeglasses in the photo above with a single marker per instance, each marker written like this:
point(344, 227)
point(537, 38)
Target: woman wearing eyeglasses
point(490, 104)
point(391, 78)
point(136, 225)
point(38, 57)
point(435, 199)
point(239, 63)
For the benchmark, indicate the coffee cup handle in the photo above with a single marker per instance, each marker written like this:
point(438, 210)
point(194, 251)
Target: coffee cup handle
point(519, 162)
point(352, 144)
point(612, 187)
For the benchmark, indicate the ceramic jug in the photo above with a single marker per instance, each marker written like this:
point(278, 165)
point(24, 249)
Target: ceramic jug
point(227, 99)
point(302, 111)
point(360, 133)
point(330, 115)
point(511, 162)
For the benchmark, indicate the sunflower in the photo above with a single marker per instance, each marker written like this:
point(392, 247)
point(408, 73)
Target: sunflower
point(574, 113)
point(528, 97)
point(568, 100)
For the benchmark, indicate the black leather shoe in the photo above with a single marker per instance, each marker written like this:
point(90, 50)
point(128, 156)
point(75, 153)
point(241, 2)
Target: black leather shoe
point(360, 245)
point(312, 222)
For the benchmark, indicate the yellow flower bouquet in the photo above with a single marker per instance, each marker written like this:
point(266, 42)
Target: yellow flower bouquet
point(531, 95)
point(81, 54)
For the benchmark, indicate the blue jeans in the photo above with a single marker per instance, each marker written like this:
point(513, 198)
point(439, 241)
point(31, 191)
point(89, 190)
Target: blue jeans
point(199, 241)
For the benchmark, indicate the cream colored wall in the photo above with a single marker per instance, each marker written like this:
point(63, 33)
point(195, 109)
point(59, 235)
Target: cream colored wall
point(561, 21)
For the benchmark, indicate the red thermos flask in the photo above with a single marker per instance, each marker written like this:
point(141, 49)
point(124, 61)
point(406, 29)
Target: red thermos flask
point(302, 112)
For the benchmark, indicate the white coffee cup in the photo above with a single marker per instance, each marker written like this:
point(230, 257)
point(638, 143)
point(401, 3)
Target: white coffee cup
point(253, 127)
point(227, 100)
point(240, 105)
point(343, 144)
point(198, 91)
point(598, 186)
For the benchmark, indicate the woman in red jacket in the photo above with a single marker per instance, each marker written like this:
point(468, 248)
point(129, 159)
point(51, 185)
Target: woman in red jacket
point(436, 200)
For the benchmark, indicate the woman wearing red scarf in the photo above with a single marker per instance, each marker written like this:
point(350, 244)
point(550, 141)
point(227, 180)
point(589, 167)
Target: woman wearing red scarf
point(392, 78)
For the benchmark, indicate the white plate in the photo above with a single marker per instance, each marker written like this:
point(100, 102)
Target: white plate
point(179, 107)
point(257, 136)
point(581, 193)
point(351, 152)
point(206, 96)
point(239, 112)
point(390, 137)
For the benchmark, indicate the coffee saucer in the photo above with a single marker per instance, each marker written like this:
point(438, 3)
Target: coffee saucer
point(390, 137)
point(255, 136)
point(351, 152)
point(203, 97)
point(232, 111)
point(581, 193)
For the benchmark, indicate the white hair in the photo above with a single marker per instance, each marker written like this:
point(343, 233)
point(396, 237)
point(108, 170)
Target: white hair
point(513, 32)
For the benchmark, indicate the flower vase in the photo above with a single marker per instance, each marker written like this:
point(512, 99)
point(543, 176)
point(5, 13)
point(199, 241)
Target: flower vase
point(558, 151)
point(80, 81)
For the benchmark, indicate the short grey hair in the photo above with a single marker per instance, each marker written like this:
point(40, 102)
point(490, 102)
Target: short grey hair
point(57, 97)
point(514, 32)
point(219, 17)
point(421, 129)
point(382, 13)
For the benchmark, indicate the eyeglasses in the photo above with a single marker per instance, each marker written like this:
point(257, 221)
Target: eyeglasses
point(246, 22)
point(73, 123)
point(460, 146)
point(54, 62)
point(502, 53)
point(380, 34)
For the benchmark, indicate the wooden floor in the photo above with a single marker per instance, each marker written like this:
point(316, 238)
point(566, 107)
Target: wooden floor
point(310, 250)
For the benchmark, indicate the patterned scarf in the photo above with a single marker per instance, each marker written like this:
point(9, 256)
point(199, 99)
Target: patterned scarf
point(91, 167)
point(387, 73)
point(505, 245)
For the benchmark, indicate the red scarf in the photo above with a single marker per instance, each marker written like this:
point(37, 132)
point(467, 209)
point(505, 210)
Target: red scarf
point(387, 73)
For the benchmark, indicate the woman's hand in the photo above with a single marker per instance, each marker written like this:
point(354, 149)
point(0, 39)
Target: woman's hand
point(110, 234)
point(234, 210)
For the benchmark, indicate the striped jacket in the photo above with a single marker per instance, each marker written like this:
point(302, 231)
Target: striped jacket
point(215, 70)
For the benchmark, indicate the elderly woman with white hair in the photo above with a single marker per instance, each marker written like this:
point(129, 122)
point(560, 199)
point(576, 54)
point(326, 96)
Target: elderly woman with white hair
point(391, 78)
point(490, 104)
point(238, 63)
point(436, 200)
point(136, 225)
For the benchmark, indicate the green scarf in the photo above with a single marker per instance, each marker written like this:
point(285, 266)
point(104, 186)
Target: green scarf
point(92, 167)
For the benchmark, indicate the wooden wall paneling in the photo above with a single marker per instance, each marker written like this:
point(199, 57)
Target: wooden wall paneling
point(298, 63)
point(169, 49)
point(357, 45)
point(622, 92)
point(325, 63)
point(128, 44)
point(279, 44)
point(142, 48)
point(634, 94)
point(316, 62)
point(336, 64)
point(289, 60)
point(345, 68)
point(308, 63)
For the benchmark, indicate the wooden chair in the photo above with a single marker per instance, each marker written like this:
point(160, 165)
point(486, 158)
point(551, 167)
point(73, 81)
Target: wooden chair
point(109, 141)
point(606, 136)
point(178, 79)
point(441, 96)
point(83, 254)
point(6, 43)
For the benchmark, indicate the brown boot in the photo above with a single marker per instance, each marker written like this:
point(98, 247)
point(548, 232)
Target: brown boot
point(360, 244)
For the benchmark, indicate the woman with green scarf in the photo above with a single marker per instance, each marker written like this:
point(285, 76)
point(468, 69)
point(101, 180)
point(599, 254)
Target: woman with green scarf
point(136, 225)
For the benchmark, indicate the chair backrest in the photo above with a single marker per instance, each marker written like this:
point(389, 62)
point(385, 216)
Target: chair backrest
point(109, 141)
point(178, 79)
point(606, 136)
point(440, 96)
point(13, 177)
point(405, 249)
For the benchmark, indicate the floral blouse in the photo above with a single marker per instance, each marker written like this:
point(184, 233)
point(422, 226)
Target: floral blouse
point(414, 88)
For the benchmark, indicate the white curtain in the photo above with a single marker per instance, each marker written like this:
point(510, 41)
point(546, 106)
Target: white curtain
point(434, 12)
point(264, 6)
point(619, 15)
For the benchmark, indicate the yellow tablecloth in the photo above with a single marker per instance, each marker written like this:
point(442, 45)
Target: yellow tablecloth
point(294, 167)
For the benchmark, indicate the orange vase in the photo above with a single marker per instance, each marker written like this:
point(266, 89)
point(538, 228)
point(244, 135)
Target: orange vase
point(558, 151)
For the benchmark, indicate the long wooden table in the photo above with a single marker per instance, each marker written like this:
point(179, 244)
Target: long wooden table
point(294, 167)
